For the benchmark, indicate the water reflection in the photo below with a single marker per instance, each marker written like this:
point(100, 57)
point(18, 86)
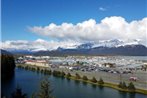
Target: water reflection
point(124, 95)
point(132, 95)
point(94, 86)
point(63, 88)
point(101, 87)
point(68, 79)
point(84, 83)
point(77, 82)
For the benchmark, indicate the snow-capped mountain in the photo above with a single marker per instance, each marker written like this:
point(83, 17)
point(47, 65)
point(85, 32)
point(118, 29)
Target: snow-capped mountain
point(91, 47)
point(85, 46)
point(116, 43)
point(108, 43)
point(39, 49)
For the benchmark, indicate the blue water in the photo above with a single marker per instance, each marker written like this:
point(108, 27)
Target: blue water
point(62, 88)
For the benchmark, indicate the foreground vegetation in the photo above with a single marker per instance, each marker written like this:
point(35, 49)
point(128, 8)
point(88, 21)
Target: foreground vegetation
point(45, 91)
point(7, 65)
point(122, 86)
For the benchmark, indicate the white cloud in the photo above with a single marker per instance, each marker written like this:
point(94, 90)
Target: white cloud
point(68, 35)
point(102, 9)
point(37, 44)
point(114, 27)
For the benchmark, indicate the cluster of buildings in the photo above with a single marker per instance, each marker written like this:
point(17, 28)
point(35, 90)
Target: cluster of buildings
point(113, 64)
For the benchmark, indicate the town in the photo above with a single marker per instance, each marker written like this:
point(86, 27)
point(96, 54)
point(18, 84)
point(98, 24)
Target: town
point(117, 67)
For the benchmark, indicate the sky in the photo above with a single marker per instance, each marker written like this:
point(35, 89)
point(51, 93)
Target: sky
point(62, 22)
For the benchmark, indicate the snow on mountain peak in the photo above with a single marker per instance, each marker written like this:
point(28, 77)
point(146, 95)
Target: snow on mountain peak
point(116, 43)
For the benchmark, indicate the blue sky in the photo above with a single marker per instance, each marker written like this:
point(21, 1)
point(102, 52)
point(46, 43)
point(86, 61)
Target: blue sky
point(18, 15)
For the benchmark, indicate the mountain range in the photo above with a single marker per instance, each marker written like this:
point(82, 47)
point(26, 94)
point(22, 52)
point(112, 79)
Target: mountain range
point(107, 47)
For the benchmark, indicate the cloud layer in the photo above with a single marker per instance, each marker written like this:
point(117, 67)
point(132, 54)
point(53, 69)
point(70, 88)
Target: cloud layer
point(38, 44)
point(68, 35)
point(114, 27)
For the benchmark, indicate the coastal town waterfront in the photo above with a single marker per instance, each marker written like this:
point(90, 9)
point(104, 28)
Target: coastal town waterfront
point(112, 69)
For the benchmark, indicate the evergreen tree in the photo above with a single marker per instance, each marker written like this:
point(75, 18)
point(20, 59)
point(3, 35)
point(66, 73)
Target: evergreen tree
point(120, 85)
point(68, 75)
point(77, 76)
point(124, 85)
point(93, 80)
point(131, 86)
point(85, 78)
point(62, 74)
point(101, 81)
point(45, 89)
point(18, 93)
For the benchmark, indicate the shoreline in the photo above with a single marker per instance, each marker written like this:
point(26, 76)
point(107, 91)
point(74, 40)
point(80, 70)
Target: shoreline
point(106, 84)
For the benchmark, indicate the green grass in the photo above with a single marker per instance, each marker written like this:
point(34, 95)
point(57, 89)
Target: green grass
point(111, 85)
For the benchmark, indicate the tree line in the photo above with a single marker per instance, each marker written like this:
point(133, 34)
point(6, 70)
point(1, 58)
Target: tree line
point(130, 86)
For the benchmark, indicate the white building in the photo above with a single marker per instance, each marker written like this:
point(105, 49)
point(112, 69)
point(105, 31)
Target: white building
point(37, 63)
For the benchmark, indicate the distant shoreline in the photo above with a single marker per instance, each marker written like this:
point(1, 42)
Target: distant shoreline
point(106, 84)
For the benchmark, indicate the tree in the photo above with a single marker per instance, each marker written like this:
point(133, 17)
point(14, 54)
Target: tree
point(124, 85)
point(45, 89)
point(77, 76)
point(49, 72)
point(101, 81)
point(7, 64)
point(18, 93)
point(131, 86)
point(93, 80)
point(68, 75)
point(38, 69)
point(62, 74)
point(85, 78)
point(56, 73)
point(120, 85)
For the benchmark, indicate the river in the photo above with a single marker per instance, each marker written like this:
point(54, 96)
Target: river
point(62, 88)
